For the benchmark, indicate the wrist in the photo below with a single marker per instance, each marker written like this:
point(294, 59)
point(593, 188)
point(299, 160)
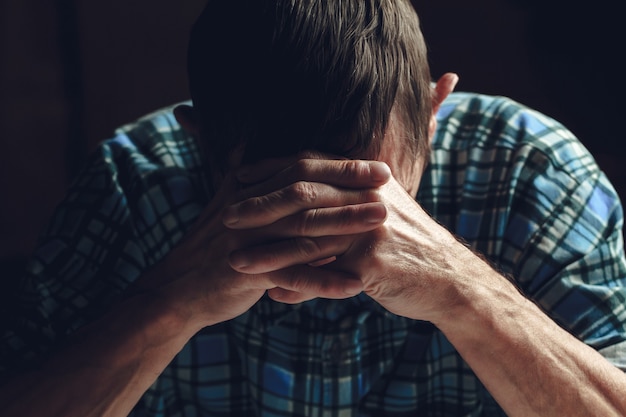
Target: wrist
point(174, 313)
point(162, 292)
point(484, 295)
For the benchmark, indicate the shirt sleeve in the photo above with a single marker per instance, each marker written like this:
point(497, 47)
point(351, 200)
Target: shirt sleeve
point(564, 242)
point(523, 191)
point(136, 197)
point(76, 268)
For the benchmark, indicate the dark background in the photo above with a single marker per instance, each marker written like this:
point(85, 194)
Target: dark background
point(72, 71)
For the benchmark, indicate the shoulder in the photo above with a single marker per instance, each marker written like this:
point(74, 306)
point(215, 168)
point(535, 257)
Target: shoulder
point(138, 193)
point(500, 161)
point(151, 158)
point(469, 118)
point(154, 141)
point(505, 133)
point(524, 191)
point(133, 201)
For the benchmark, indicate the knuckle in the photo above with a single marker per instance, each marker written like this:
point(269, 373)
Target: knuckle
point(270, 262)
point(265, 205)
point(305, 221)
point(293, 279)
point(302, 192)
point(307, 248)
point(362, 168)
point(354, 169)
point(254, 205)
point(343, 218)
point(348, 168)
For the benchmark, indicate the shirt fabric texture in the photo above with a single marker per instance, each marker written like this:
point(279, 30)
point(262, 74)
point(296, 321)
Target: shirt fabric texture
point(512, 183)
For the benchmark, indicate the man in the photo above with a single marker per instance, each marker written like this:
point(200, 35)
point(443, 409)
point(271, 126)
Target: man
point(256, 263)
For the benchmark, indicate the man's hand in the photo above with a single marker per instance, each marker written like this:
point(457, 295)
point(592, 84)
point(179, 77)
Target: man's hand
point(415, 268)
point(410, 264)
point(301, 225)
point(110, 363)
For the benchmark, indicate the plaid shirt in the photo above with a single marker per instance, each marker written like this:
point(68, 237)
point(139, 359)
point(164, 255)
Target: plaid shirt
point(516, 185)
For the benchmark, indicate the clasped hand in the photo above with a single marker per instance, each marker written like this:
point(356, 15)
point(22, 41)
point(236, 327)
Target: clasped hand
point(272, 234)
point(312, 227)
point(337, 219)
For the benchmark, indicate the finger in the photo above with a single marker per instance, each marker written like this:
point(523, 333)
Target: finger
point(341, 173)
point(285, 253)
point(323, 262)
point(297, 197)
point(289, 297)
point(311, 282)
point(266, 168)
point(334, 221)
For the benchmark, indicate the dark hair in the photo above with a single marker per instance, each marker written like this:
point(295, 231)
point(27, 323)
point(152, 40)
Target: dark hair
point(283, 76)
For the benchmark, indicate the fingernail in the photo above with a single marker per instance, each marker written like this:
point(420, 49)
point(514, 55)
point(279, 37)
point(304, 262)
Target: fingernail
point(238, 261)
point(231, 215)
point(353, 287)
point(377, 214)
point(379, 171)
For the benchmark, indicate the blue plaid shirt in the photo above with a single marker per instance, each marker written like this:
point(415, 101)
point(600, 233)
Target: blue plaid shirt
point(514, 184)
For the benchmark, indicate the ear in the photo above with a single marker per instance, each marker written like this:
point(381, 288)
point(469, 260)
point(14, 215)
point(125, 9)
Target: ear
point(186, 116)
point(444, 86)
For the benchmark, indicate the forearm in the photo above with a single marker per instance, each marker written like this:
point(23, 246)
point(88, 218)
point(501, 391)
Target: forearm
point(527, 362)
point(105, 369)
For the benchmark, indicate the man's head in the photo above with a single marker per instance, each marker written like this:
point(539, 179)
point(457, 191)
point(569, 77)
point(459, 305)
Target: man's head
point(281, 76)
